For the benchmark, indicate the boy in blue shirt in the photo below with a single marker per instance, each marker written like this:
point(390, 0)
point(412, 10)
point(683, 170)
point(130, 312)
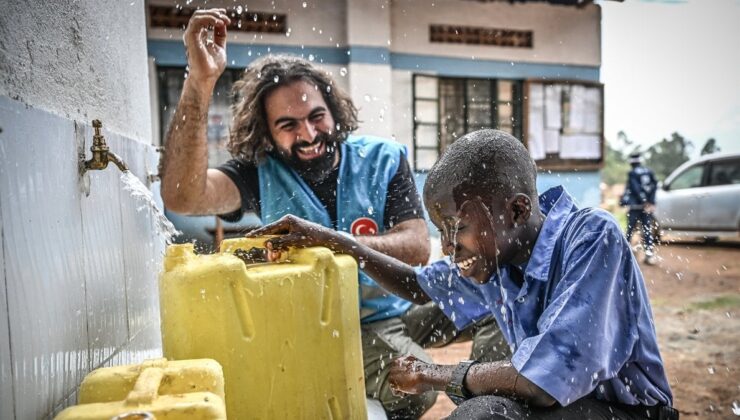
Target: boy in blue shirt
point(561, 282)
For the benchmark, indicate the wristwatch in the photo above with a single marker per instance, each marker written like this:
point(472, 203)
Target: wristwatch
point(456, 388)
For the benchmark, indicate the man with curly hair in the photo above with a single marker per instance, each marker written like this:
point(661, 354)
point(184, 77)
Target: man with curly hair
point(294, 155)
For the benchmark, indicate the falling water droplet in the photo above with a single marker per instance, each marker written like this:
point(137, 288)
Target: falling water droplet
point(343, 71)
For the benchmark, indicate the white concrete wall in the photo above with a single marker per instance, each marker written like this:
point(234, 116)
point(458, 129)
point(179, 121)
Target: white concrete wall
point(320, 23)
point(370, 88)
point(402, 110)
point(369, 23)
point(562, 34)
point(78, 272)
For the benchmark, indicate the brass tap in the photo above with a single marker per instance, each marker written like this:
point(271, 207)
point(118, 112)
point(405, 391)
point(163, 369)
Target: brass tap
point(152, 178)
point(101, 154)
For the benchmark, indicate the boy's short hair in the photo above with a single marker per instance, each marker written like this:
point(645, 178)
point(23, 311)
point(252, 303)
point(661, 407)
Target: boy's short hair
point(491, 164)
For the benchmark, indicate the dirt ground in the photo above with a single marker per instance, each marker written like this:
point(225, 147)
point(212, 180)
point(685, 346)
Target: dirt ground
point(695, 294)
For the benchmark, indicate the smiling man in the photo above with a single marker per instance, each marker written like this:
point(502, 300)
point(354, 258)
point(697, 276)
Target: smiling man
point(294, 154)
point(562, 283)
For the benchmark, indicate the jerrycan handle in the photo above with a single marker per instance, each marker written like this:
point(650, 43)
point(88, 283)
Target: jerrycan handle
point(146, 388)
point(250, 250)
point(252, 255)
point(135, 415)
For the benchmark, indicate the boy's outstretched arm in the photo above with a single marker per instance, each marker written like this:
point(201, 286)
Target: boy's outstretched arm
point(393, 275)
point(410, 375)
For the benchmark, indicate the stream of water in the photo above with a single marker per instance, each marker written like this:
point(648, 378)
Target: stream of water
point(163, 227)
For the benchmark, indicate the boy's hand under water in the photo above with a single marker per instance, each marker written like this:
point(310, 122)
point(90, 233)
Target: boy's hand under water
point(295, 232)
point(408, 376)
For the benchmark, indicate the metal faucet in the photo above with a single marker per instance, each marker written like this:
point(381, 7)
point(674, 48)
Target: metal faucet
point(101, 154)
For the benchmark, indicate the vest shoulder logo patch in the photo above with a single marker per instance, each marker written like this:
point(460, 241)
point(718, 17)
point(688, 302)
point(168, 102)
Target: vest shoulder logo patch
point(364, 226)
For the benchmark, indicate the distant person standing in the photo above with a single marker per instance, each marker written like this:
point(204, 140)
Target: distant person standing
point(639, 196)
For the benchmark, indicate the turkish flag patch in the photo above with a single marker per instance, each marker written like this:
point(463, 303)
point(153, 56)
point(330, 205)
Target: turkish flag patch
point(364, 226)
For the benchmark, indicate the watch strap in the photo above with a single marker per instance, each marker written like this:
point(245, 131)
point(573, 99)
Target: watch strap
point(455, 389)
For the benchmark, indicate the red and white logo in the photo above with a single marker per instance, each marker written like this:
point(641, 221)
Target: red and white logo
point(364, 226)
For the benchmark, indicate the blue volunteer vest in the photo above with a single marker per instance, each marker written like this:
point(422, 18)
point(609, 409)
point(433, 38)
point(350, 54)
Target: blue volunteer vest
point(366, 167)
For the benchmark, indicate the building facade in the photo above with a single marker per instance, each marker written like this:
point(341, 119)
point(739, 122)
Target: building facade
point(423, 72)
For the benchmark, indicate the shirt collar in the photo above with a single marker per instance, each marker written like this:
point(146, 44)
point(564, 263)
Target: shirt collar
point(557, 205)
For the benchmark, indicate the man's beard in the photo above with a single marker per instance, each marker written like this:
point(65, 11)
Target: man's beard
point(316, 169)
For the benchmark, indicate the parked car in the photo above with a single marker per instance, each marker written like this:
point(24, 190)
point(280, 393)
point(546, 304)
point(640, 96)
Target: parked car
point(701, 198)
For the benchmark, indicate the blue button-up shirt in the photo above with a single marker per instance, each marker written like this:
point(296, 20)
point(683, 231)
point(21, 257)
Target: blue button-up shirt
point(581, 323)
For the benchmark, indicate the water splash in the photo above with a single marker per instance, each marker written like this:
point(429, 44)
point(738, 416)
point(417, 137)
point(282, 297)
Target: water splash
point(163, 227)
point(452, 235)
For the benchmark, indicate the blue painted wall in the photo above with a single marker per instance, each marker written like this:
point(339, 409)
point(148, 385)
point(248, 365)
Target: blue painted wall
point(172, 53)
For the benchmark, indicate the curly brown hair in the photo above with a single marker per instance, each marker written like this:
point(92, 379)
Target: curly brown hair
point(250, 137)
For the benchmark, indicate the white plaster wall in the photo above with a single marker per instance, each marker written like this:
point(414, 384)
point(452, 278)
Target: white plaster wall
point(369, 23)
point(78, 59)
point(78, 273)
point(562, 34)
point(401, 110)
point(370, 88)
point(320, 23)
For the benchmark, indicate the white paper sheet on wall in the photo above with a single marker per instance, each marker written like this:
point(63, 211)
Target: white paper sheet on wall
point(553, 114)
point(576, 116)
point(552, 141)
point(592, 119)
point(536, 124)
point(580, 146)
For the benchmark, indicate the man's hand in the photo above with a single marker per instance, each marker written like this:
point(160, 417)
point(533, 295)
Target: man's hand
point(296, 232)
point(649, 208)
point(408, 375)
point(206, 57)
point(395, 276)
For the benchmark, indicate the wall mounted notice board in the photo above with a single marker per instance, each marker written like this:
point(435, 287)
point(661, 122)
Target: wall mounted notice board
point(564, 124)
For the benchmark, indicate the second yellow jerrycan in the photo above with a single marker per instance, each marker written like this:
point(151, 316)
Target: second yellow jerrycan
point(287, 334)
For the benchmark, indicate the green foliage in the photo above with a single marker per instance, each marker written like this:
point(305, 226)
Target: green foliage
point(710, 147)
point(666, 155)
point(615, 166)
point(615, 159)
point(729, 301)
point(662, 157)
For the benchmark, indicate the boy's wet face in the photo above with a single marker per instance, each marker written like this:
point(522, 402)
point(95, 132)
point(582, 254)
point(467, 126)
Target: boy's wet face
point(468, 232)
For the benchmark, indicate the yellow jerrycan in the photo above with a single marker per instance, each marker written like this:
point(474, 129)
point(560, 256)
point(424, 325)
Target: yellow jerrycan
point(286, 333)
point(174, 390)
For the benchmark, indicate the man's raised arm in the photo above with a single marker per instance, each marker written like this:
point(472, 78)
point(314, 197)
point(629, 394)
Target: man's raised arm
point(188, 186)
